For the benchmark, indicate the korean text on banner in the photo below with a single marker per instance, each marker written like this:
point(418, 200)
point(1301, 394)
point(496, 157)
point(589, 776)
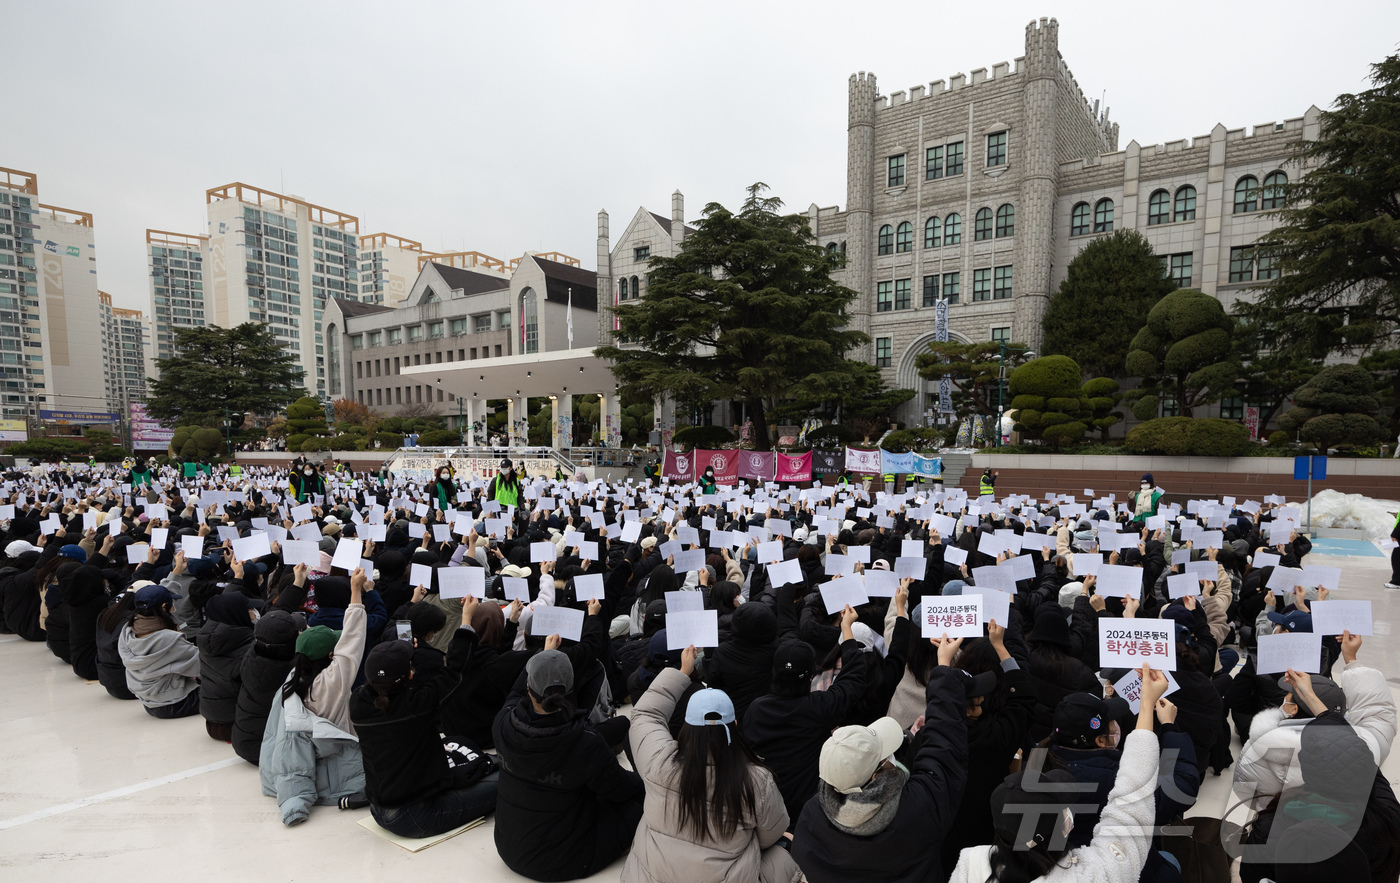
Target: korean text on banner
point(678, 467)
point(724, 463)
point(1128, 643)
point(795, 468)
point(863, 461)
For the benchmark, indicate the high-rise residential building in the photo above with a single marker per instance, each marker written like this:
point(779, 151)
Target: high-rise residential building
point(388, 266)
point(50, 323)
point(275, 259)
point(177, 263)
point(124, 338)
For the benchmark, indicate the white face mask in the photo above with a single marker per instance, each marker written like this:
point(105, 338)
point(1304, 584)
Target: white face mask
point(442, 475)
point(308, 471)
point(1145, 485)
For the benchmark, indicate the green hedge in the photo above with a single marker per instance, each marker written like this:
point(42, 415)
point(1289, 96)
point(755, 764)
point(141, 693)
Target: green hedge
point(1189, 437)
point(703, 436)
point(832, 435)
point(437, 438)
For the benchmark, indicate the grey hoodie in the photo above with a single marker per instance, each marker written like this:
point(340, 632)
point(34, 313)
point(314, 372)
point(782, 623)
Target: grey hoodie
point(161, 667)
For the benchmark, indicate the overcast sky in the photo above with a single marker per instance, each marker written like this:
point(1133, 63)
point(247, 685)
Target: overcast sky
point(504, 127)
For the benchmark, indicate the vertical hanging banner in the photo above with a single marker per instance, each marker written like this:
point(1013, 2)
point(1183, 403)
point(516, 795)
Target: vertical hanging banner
point(795, 467)
point(724, 463)
point(940, 334)
point(945, 395)
point(863, 461)
point(678, 467)
point(756, 465)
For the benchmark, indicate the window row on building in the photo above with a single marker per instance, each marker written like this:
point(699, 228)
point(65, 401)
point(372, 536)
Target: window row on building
point(436, 330)
point(947, 230)
point(946, 160)
point(988, 283)
point(1164, 207)
point(402, 395)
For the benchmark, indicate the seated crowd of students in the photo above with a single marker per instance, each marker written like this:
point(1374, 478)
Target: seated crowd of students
point(806, 743)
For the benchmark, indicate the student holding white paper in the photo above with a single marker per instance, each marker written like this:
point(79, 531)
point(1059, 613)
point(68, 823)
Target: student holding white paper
point(1269, 764)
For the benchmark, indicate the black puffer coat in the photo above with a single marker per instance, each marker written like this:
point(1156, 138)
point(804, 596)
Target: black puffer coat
point(742, 666)
point(84, 594)
point(224, 640)
point(20, 599)
point(265, 667)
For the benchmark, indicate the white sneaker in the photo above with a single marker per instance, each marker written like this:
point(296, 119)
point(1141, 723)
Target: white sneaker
point(1391, 586)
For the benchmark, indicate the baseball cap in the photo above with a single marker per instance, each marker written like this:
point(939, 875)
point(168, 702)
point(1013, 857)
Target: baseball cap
point(864, 634)
point(388, 665)
point(704, 703)
point(317, 642)
point(1293, 621)
point(1326, 689)
point(548, 669)
point(152, 597)
point(1029, 816)
point(794, 660)
point(981, 684)
point(74, 551)
point(505, 464)
point(850, 757)
point(1080, 718)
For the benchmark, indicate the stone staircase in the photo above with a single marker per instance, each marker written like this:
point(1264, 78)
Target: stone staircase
point(955, 466)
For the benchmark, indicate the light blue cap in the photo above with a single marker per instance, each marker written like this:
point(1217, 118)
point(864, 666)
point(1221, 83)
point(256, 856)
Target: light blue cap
point(707, 702)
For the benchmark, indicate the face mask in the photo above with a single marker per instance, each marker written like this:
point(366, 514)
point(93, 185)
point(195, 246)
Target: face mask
point(1145, 485)
point(442, 475)
point(308, 471)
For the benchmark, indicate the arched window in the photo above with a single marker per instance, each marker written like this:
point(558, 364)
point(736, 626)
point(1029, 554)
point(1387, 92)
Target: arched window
point(1246, 194)
point(933, 232)
point(333, 358)
point(904, 237)
point(1079, 219)
point(952, 229)
point(636, 288)
point(1006, 220)
point(1103, 216)
point(622, 289)
point(1184, 208)
point(982, 225)
point(1158, 208)
point(831, 248)
point(529, 322)
point(1272, 194)
point(885, 244)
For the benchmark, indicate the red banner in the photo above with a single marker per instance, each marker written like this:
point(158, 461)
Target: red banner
point(678, 467)
point(724, 463)
point(798, 468)
point(756, 465)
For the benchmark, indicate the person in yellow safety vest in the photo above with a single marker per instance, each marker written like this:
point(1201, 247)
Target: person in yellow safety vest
point(987, 486)
point(889, 480)
point(505, 487)
point(912, 479)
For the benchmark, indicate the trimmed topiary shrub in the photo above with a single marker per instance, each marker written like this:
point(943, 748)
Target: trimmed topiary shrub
point(1047, 402)
point(437, 438)
point(832, 435)
point(1335, 408)
point(703, 436)
point(294, 442)
point(1189, 437)
point(313, 444)
point(1279, 439)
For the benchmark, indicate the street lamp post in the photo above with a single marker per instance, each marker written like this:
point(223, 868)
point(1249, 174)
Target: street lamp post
point(1001, 383)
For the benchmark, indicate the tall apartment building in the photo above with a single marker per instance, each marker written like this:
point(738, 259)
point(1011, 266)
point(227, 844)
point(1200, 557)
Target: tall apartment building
point(50, 323)
point(981, 190)
point(124, 338)
point(177, 263)
point(388, 266)
point(275, 260)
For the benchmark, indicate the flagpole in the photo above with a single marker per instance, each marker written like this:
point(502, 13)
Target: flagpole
point(569, 318)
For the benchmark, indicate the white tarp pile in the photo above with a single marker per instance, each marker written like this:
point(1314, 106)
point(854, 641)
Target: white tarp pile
point(1334, 509)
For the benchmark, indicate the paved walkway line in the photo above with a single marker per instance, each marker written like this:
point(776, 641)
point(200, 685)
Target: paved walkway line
point(120, 792)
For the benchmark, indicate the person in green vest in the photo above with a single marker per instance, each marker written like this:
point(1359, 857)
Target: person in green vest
point(140, 474)
point(653, 473)
point(912, 479)
point(845, 478)
point(190, 468)
point(505, 487)
point(889, 479)
point(442, 490)
point(558, 473)
point(92, 462)
point(707, 481)
point(987, 487)
point(1144, 499)
point(235, 470)
point(305, 482)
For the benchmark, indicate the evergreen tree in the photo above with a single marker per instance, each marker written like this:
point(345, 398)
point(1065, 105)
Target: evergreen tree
point(1110, 287)
point(1048, 400)
point(242, 370)
point(974, 369)
point(1337, 248)
point(1336, 407)
point(747, 311)
point(1185, 351)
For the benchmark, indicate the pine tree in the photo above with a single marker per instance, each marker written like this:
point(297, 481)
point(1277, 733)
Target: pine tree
point(747, 311)
point(241, 370)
